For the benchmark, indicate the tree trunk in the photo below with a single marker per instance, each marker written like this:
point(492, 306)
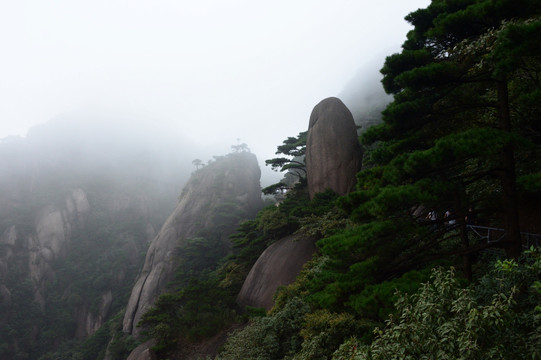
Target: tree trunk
point(508, 178)
point(463, 231)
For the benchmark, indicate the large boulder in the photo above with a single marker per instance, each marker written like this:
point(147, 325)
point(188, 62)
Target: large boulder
point(214, 195)
point(333, 153)
point(278, 265)
point(143, 352)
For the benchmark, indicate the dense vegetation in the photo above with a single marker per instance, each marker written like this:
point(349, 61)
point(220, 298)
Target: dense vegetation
point(462, 132)
point(497, 317)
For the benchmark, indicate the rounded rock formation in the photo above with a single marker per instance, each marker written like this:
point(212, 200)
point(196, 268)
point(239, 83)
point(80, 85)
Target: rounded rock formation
point(278, 265)
point(333, 153)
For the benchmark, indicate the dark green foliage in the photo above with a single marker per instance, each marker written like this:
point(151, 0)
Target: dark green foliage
point(376, 301)
point(19, 322)
point(95, 346)
point(495, 318)
point(459, 123)
point(275, 188)
point(294, 149)
point(198, 310)
point(268, 338)
point(360, 260)
point(530, 183)
point(324, 331)
point(121, 345)
point(249, 241)
point(275, 222)
point(196, 257)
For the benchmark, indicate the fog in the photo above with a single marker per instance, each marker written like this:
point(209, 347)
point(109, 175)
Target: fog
point(206, 74)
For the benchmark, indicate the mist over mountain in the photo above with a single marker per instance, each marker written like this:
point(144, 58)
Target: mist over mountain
point(91, 138)
point(90, 187)
point(364, 95)
point(81, 197)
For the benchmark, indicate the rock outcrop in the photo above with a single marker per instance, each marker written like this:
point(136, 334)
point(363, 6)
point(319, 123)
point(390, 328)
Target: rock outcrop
point(48, 240)
point(38, 245)
point(231, 183)
point(333, 153)
point(278, 265)
point(143, 352)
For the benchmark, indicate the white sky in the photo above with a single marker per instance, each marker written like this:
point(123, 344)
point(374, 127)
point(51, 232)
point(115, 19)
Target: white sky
point(214, 69)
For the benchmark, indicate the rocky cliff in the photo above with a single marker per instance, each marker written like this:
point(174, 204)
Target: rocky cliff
point(46, 240)
point(333, 153)
point(215, 199)
point(52, 236)
point(38, 250)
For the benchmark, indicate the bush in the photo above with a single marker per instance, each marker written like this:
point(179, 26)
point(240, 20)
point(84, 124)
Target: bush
point(324, 331)
point(269, 338)
point(495, 319)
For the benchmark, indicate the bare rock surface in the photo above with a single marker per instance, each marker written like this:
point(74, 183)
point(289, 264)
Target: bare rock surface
point(48, 239)
point(87, 322)
point(143, 352)
point(51, 240)
point(333, 153)
point(231, 180)
point(278, 265)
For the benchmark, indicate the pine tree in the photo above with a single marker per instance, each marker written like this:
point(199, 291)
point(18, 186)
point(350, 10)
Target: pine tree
point(464, 87)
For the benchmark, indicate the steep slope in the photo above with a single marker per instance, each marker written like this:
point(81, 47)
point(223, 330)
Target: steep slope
point(214, 200)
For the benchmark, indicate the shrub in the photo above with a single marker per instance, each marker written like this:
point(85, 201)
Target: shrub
point(494, 319)
point(269, 338)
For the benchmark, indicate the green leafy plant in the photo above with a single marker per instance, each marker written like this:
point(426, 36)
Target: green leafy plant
point(493, 319)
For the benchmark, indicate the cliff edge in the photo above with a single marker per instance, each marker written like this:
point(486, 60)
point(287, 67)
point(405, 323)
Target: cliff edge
point(224, 189)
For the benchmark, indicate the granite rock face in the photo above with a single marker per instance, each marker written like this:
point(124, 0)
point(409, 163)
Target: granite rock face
point(278, 265)
point(143, 352)
point(231, 181)
point(333, 153)
point(50, 238)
